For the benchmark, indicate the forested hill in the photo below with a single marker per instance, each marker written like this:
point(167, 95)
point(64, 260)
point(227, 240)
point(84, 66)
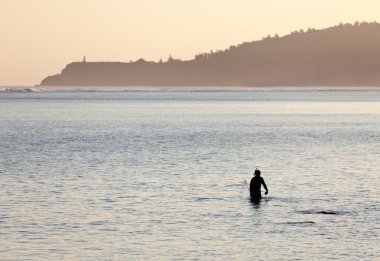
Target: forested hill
point(344, 55)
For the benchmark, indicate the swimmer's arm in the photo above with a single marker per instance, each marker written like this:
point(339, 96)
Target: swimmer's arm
point(265, 186)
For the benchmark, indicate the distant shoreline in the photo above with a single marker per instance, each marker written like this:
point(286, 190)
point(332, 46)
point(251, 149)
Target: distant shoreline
point(335, 57)
point(174, 88)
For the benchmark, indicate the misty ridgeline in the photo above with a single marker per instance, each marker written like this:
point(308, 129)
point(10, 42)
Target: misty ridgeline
point(343, 55)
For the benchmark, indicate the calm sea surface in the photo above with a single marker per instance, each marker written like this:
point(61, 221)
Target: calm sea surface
point(158, 175)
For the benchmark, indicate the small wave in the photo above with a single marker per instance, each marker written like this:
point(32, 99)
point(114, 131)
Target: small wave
point(97, 223)
point(299, 223)
point(20, 90)
point(321, 212)
point(205, 199)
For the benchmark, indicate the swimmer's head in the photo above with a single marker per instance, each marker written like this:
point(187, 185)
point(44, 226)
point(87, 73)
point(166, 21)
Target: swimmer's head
point(257, 172)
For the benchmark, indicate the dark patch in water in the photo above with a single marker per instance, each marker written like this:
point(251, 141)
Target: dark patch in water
point(300, 223)
point(328, 212)
point(314, 212)
point(204, 199)
point(97, 223)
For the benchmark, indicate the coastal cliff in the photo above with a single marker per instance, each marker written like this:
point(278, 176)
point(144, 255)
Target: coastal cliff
point(343, 55)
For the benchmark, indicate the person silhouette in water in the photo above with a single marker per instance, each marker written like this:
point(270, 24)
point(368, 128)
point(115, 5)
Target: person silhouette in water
point(255, 185)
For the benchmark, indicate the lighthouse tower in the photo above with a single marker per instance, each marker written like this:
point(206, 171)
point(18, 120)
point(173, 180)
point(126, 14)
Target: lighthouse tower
point(84, 59)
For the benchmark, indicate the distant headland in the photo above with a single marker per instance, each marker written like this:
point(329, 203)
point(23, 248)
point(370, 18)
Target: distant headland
point(343, 55)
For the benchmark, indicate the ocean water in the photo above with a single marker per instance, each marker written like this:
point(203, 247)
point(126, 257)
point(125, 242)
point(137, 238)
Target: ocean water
point(159, 175)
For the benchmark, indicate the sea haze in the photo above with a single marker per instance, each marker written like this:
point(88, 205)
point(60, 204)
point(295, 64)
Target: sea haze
point(159, 174)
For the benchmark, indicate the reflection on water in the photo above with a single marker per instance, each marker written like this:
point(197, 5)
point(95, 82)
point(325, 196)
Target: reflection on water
point(255, 202)
point(157, 175)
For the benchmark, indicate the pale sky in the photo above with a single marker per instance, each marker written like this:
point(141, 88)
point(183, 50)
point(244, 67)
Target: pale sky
point(39, 37)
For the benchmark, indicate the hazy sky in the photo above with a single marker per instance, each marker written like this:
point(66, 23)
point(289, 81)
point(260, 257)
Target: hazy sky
point(39, 37)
